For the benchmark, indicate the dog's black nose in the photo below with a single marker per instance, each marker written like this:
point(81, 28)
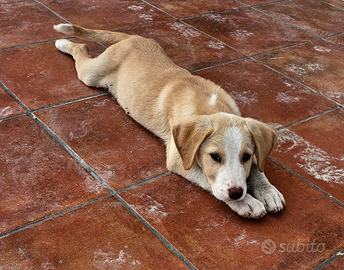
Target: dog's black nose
point(235, 193)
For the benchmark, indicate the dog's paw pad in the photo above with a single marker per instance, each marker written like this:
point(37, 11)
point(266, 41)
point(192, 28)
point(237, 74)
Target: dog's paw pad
point(60, 44)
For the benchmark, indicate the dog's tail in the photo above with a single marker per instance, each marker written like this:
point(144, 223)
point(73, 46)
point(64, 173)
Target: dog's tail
point(102, 36)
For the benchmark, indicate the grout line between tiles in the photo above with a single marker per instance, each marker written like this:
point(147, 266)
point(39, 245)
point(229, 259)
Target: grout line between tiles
point(29, 44)
point(309, 118)
point(14, 96)
point(159, 9)
point(143, 182)
point(52, 216)
point(70, 101)
point(42, 42)
point(330, 4)
point(50, 10)
point(329, 261)
point(334, 35)
point(308, 182)
point(46, 107)
point(264, 4)
point(286, 47)
point(12, 117)
point(156, 233)
point(220, 64)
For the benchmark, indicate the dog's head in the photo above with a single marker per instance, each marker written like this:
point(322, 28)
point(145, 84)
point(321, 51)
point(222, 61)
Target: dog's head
point(224, 146)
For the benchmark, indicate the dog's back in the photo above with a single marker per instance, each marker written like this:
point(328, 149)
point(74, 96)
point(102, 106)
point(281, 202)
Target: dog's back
point(147, 84)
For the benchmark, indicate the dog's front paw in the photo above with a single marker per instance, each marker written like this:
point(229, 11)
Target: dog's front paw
point(248, 207)
point(272, 199)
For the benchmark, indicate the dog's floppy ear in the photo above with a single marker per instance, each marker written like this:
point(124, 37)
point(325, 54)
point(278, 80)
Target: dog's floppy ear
point(189, 135)
point(264, 138)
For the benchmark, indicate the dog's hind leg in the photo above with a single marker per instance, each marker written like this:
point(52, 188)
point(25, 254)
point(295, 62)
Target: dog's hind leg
point(89, 70)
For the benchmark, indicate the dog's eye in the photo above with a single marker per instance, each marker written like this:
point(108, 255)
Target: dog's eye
point(246, 157)
point(216, 157)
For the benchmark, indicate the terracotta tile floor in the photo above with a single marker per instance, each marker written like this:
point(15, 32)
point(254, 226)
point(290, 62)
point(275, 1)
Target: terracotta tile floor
point(82, 186)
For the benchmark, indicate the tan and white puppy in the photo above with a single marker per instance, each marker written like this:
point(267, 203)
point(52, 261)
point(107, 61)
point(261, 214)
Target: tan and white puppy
point(207, 140)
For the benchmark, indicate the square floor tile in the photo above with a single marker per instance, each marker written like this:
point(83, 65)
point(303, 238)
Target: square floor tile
point(115, 146)
point(25, 22)
point(38, 178)
point(110, 15)
point(8, 106)
point(266, 95)
point(187, 47)
point(212, 236)
point(102, 235)
point(315, 17)
point(249, 31)
point(182, 8)
point(38, 83)
point(315, 151)
point(318, 65)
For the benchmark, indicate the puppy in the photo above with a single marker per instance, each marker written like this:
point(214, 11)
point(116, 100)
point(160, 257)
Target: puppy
point(207, 141)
